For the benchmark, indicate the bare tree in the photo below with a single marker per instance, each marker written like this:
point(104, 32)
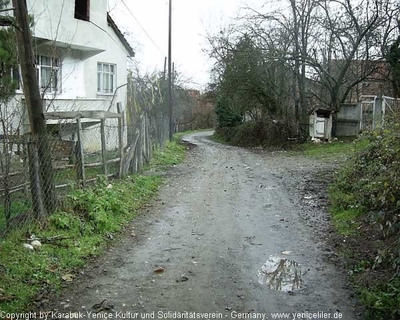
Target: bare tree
point(334, 44)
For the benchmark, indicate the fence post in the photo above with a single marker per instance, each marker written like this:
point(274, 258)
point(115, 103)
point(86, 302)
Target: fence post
point(149, 145)
point(103, 146)
point(144, 149)
point(120, 139)
point(34, 175)
point(25, 164)
point(141, 145)
point(129, 159)
point(80, 160)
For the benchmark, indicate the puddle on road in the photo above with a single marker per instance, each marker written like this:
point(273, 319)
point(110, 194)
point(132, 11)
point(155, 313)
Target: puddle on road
point(281, 274)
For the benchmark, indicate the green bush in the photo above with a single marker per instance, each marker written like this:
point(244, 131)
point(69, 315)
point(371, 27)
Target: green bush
point(227, 115)
point(366, 195)
point(383, 301)
point(256, 134)
point(371, 181)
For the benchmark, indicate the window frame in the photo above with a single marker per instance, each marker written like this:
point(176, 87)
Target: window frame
point(55, 69)
point(16, 76)
point(111, 85)
point(78, 15)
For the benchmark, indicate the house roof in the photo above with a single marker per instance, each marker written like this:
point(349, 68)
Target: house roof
point(120, 36)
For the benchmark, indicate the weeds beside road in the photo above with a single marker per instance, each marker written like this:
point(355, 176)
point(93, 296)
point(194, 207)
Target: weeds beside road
point(358, 184)
point(360, 191)
point(88, 221)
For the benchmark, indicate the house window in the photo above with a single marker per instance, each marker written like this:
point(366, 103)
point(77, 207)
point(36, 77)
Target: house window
point(15, 76)
point(82, 9)
point(48, 73)
point(106, 78)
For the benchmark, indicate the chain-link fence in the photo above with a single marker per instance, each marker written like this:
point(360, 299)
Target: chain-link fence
point(37, 173)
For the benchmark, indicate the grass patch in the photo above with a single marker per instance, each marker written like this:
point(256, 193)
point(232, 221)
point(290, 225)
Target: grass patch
point(85, 224)
point(345, 221)
point(327, 148)
point(173, 154)
point(18, 206)
point(343, 147)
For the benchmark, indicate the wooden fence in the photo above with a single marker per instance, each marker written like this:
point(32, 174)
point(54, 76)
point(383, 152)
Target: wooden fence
point(72, 163)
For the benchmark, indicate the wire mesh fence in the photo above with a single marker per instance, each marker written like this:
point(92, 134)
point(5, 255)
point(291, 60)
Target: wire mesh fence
point(37, 173)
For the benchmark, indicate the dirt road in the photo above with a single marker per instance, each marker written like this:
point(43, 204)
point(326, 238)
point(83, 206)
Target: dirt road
point(226, 236)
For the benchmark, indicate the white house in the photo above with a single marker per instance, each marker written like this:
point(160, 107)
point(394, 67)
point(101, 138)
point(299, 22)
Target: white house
point(81, 56)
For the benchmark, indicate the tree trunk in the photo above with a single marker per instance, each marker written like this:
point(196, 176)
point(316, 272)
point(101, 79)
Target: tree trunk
point(5, 170)
point(34, 104)
point(34, 178)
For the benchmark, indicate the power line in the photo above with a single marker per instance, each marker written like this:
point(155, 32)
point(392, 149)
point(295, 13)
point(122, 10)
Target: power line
point(144, 30)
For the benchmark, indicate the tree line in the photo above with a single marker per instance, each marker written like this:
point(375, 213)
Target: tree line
point(278, 62)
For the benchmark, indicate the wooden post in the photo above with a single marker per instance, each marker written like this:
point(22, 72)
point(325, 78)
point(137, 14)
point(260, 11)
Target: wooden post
point(140, 146)
point(120, 139)
point(103, 146)
point(149, 139)
point(80, 160)
point(34, 177)
point(25, 159)
point(148, 142)
point(144, 149)
point(129, 157)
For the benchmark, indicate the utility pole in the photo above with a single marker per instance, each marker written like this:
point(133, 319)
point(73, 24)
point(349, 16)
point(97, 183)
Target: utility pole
point(34, 103)
point(173, 84)
point(171, 121)
point(165, 68)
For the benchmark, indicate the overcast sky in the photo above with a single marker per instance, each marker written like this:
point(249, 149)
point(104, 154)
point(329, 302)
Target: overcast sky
point(191, 21)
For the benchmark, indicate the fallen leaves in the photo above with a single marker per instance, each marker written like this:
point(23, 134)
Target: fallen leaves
point(52, 268)
point(159, 270)
point(68, 277)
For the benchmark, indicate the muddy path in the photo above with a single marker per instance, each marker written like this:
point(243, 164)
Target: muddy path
point(233, 233)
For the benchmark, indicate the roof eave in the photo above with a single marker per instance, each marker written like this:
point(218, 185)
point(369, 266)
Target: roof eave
point(120, 36)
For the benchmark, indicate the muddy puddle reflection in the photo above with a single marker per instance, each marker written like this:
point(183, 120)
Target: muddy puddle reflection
point(281, 274)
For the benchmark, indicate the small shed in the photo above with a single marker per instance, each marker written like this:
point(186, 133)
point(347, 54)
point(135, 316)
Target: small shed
point(321, 123)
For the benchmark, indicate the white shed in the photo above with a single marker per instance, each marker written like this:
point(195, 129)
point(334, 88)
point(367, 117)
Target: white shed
point(321, 123)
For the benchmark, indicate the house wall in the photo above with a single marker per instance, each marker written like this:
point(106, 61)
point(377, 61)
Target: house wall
point(348, 120)
point(80, 45)
point(55, 20)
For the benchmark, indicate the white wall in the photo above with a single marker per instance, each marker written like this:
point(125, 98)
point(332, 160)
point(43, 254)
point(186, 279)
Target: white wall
point(55, 20)
point(80, 45)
